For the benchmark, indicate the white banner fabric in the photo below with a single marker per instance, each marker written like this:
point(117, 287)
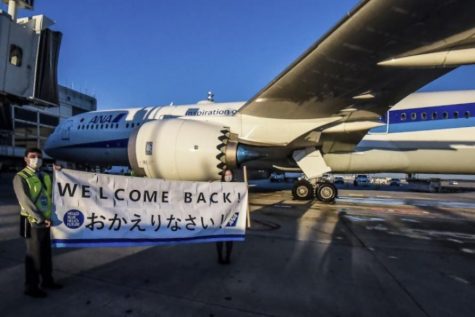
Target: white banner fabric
point(100, 210)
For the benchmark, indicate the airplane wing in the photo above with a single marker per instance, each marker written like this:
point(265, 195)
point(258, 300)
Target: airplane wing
point(379, 53)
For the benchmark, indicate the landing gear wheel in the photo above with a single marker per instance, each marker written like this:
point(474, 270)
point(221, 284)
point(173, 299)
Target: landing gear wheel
point(302, 190)
point(326, 192)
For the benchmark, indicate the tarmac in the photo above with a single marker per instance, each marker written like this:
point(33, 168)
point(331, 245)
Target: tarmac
point(372, 253)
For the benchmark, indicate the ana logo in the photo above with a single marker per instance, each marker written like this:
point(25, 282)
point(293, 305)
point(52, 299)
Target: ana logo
point(101, 119)
point(73, 219)
point(233, 221)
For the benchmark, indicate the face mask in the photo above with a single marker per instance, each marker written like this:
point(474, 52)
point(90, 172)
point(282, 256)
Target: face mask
point(35, 163)
point(228, 178)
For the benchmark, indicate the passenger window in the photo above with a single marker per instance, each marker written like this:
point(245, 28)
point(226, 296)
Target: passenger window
point(403, 116)
point(434, 115)
point(413, 116)
point(456, 114)
point(107, 126)
point(445, 115)
point(467, 114)
point(102, 126)
point(132, 125)
point(126, 125)
point(16, 55)
point(424, 116)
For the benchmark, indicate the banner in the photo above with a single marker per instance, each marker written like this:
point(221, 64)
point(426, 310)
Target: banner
point(100, 210)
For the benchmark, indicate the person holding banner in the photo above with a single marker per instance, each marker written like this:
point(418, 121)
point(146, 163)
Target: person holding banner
point(33, 190)
point(225, 258)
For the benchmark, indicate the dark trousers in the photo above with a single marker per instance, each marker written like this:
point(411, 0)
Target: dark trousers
point(38, 261)
point(224, 258)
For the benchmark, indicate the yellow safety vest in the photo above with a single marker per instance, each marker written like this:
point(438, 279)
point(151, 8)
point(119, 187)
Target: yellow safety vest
point(40, 193)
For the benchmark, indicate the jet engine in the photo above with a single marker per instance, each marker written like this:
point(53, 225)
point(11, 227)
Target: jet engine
point(178, 149)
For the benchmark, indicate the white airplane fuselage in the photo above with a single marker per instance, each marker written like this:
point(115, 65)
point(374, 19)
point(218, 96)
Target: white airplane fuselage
point(423, 133)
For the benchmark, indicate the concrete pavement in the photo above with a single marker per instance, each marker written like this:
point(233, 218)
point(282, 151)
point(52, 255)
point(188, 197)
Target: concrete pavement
point(299, 259)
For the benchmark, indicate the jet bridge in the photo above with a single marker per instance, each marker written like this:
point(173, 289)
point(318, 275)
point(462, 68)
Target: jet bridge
point(29, 52)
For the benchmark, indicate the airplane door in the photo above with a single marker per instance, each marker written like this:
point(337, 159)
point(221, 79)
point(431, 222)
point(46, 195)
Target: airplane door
point(382, 129)
point(66, 131)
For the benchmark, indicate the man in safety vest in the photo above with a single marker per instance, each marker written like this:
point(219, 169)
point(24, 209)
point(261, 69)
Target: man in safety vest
point(33, 190)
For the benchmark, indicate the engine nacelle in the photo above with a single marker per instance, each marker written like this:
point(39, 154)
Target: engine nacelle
point(178, 149)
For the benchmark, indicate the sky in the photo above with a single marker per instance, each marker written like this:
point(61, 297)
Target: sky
point(154, 52)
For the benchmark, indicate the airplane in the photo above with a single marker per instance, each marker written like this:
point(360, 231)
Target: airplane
point(344, 106)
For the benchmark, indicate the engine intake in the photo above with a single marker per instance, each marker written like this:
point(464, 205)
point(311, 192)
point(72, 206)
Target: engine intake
point(178, 149)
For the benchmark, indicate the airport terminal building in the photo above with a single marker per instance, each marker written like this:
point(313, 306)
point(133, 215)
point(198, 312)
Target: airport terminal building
point(30, 125)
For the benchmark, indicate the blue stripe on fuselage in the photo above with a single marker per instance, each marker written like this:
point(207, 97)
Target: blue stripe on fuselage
point(419, 119)
point(110, 144)
point(441, 113)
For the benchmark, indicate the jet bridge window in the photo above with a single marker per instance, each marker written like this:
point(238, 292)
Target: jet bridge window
point(424, 116)
point(16, 55)
point(49, 120)
point(413, 116)
point(456, 114)
point(445, 115)
point(403, 116)
point(434, 115)
point(25, 115)
point(467, 114)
